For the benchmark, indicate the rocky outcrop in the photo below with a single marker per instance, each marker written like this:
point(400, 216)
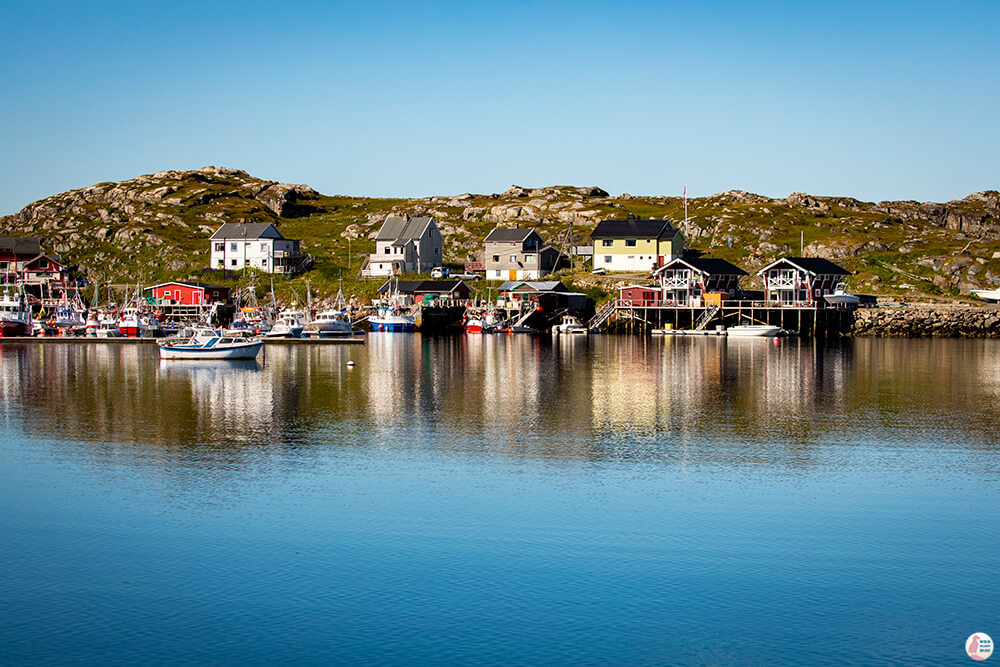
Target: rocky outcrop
point(927, 321)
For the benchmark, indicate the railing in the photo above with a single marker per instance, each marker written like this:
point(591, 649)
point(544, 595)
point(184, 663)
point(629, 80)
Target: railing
point(706, 317)
point(602, 315)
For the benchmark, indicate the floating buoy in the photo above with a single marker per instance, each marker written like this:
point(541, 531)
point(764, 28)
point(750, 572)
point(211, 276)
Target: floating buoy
point(350, 364)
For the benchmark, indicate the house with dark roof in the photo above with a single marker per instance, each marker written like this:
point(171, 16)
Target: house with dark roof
point(258, 245)
point(635, 245)
point(427, 291)
point(801, 281)
point(686, 280)
point(518, 254)
point(406, 245)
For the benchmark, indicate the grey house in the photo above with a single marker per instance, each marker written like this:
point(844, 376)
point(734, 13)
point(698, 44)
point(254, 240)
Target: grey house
point(406, 245)
point(518, 254)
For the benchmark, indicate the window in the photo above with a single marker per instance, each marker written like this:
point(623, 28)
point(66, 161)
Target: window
point(263, 247)
point(388, 250)
point(513, 258)
point(496, 258)
point(629, 243)
point(607, 259)
point(222, 263)
point(608, 243)
point(220, 247)
point(233, 262)
point(498, 273)
point(529, 259)
point(232, 246)
point(166, 293)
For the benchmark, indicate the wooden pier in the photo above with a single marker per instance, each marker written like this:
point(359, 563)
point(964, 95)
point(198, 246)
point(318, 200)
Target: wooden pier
point(622, 316)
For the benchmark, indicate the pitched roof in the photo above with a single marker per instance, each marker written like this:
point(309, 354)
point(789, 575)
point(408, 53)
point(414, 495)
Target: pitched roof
point(247, 230)
point(712, 266)
point(633, 228)
point(508, 235)
point(534, 286)
point(420, 286)
point(21, 245)
point(813, 265)
point(400, 229)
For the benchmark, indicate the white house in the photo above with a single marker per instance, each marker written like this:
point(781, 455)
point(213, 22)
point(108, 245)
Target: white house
point(406, 245)
point(518, 254)
point(257, 245)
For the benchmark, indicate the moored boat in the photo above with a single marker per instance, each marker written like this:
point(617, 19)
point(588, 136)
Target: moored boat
point(331, 323)
point(207, 343)
point(754, 331)
point(15, 316)
point(392, 319)
point(288, 325)
point(570, 325)
point(840, 296)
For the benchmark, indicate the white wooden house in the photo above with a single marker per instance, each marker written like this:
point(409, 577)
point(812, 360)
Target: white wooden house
point(256, 245)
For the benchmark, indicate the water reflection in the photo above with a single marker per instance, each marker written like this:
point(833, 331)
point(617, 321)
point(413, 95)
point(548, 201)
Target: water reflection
point(710, 399)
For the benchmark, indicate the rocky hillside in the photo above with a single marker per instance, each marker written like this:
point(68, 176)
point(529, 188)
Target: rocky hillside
point(156, 226)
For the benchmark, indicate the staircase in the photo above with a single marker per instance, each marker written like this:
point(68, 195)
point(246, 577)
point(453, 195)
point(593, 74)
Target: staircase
point(602, 315)
point(706, 317)
point(524, 316)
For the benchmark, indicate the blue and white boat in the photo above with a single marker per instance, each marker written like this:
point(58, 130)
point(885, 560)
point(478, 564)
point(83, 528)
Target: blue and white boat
point(205, 343)
point(392, 319)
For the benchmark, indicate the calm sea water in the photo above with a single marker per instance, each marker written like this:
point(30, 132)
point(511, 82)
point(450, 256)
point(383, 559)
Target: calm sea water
point(501, 500)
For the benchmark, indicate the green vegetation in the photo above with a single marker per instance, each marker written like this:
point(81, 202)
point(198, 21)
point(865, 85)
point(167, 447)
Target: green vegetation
point(156, 227)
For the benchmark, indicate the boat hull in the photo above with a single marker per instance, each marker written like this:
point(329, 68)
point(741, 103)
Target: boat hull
point(11, 329)
point(754, 331)
point(987, 294)
point(247, 351)
point(393, 326)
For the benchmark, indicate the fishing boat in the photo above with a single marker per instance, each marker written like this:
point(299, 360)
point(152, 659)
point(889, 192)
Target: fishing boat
point(754, 331)
point(841, 297)
point(391, 318)
point(15, 316)
point(488, 322)
point(331, 323)
point(205, 343)
point(570, 325)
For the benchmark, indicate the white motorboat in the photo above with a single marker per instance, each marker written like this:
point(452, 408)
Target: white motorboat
point(987, 294)
point(288, 325)
point(841, 297)
point(107, 327)
point(331, 323)
point(754, 331)
point(205, 343)
point(570, 325)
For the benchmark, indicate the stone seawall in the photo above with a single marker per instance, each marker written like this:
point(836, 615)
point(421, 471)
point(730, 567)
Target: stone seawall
point(928, 320)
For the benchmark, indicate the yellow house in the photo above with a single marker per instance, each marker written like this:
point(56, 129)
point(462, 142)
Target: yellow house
point(635, 245)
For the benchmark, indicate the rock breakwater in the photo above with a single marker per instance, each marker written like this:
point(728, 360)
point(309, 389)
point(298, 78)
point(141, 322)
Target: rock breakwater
point(921, 321)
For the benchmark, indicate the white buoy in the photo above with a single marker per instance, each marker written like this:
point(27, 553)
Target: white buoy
point(350, 364)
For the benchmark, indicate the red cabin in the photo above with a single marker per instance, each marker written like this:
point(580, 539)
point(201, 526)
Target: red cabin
point(640, 295)
point(186, 294)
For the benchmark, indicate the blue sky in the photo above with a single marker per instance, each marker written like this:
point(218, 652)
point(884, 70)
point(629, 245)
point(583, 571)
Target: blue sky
point(873, 100)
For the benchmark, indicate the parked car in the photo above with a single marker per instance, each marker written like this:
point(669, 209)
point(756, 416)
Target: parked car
point(467, 276)
point(439, 272)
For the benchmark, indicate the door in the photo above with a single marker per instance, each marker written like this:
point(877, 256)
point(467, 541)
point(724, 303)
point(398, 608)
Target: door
point(512, 274)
